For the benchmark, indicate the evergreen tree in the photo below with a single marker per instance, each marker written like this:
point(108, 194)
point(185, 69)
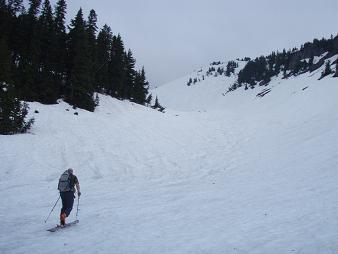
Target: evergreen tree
point(104, 44)
point(46, 18)
point(144, 87)
point(5, 19)
point(29, 51)
point(130, 74)
point(254, 71)
point(91, 24)
point(13, 6)
point(5, 66)
point(298, 67)
point(158, 106)
point(34, 7)
point(12, 111)
point(79, 90)
point(140, 90)
point(117, 68)
point(149, 99)
point(311, 60)
point(231, 66)
point(336, 74)
point(327, 70)
point(48, 87)
point(60, 53)
point(60, 16)
point(189, 82)
point(91, 29)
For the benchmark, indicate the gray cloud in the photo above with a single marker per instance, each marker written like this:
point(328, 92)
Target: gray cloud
point(171, 38)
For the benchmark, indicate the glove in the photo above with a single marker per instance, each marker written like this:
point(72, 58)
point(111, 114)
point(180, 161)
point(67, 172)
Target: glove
point(79, 194)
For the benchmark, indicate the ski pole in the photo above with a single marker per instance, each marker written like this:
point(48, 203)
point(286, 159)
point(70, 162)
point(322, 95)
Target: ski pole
point(77, 209)
point(52, 209)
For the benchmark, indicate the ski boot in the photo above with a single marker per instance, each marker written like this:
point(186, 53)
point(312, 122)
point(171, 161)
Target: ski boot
point(62, 219)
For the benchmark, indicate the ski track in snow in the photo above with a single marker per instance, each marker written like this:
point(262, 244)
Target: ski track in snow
point(215, 174)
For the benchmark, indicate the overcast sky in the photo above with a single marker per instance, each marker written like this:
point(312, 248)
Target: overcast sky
point(172, 38)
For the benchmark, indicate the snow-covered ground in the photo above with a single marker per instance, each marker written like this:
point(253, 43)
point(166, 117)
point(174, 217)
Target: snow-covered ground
point(216, 173)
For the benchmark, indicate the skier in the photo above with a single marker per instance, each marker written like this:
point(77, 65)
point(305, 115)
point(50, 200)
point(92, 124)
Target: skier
point(67, 183)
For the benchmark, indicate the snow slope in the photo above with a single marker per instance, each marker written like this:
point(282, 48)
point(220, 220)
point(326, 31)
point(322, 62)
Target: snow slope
point(232, 173)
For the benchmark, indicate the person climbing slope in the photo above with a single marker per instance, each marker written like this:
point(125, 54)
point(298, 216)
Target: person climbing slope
point(67, 183)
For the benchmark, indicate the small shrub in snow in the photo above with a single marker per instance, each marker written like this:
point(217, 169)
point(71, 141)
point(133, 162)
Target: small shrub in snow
point(189, 82)
point(158, 106)
point(327, 70)
point(336, 74)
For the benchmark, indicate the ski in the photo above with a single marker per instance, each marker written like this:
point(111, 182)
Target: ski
point(54, 229)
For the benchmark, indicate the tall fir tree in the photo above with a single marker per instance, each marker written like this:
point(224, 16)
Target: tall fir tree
point(5, 66)
point(9, 24)
point(29, 52)
point(141, 87)
point(91, 29)
point(79, 89)
point(148, 100)
point(49, 88)
point(311, 60)
point(327, 70)
point(60, 16)
point(60, 52)
point(117, 68)
point(5, 19)
point(158, 106)
point(34, 7)
point(130, 73)
point(104, 44)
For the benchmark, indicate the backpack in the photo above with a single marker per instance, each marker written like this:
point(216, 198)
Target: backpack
point(64, 182)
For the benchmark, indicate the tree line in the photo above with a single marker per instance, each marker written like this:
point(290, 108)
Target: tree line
point(260, 70)
point(43, 60)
